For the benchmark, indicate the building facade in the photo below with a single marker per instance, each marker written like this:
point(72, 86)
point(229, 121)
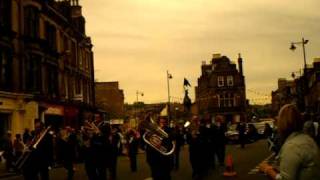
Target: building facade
point(46, 63)
point(221, 89)
point(110, 99)
point(285, 93)
point(303, 90)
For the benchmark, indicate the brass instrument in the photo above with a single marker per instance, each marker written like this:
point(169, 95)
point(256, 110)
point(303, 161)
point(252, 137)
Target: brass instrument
point(157, 138)
point(19, 164)
point(92, 127)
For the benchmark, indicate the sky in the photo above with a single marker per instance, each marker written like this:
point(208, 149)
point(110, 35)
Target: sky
point(137, 41)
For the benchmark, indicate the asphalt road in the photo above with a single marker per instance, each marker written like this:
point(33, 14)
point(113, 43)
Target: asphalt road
point(245, 161)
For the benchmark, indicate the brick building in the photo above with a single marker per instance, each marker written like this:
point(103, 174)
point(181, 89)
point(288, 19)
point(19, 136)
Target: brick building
point(110, 98)
point(46, 64)
point(221, 89)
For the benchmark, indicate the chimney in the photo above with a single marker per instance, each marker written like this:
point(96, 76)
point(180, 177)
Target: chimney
point(240, 64)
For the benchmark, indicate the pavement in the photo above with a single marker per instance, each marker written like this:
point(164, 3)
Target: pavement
point(245, 164)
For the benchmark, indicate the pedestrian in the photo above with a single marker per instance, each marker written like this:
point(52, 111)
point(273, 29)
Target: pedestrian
point(7, 147)
point(299, 156)
point(160, 165)
point(26, 137)
point(18, 147)
point(267, 132)
point(133, 144)
point(241, 128)
point(220, 139)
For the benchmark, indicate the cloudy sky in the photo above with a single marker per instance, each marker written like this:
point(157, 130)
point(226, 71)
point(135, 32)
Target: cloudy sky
point(137, 41)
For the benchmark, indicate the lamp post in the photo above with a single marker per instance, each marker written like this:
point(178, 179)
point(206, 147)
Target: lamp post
point(169, 76)
point(138, 93)
point(302, 104)
point(303, 42)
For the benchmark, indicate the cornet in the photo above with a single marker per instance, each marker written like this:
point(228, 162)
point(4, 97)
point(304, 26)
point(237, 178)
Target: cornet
point(157, 138)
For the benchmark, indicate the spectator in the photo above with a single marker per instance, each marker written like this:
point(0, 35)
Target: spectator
point(7, 147)
point(18, 146)
point(299, 156)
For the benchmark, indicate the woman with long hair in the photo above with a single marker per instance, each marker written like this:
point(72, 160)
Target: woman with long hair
point(299, 156)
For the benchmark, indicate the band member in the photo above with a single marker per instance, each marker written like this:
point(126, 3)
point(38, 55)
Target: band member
point(96, 151)
point(220, 139)
point(133, 144)
point(41, 158)
point(115, 140)
point(160, 165)
point(66, 151)
point(179, 143)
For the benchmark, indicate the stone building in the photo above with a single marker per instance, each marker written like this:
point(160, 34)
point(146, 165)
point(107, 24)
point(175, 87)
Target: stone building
point(285, 93)
point(221, 89)
point(110, 98)
point(303, 90)
point(46, 64)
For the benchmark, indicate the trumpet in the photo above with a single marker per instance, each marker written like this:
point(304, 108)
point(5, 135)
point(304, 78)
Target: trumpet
point(157, 138)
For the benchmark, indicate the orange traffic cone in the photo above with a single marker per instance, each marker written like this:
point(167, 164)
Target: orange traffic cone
point(229, 172)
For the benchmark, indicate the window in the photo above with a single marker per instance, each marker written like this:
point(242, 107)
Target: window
point(73, 53)
point(226, 100)
point(220, 81)
point(52, 80)
point(78, 86)
point(33, 73)
point(31, 23)
point(5, 13)
point(51, 36)
point(230, 80)
point(5, 70)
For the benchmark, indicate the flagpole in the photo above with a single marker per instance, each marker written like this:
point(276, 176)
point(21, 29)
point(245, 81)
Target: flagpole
point(168, 77)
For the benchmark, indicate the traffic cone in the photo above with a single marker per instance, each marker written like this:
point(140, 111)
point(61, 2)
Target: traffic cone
point(229, 171)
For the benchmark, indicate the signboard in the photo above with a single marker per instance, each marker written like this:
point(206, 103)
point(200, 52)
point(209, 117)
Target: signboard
point(116, 121)
point(54, 110)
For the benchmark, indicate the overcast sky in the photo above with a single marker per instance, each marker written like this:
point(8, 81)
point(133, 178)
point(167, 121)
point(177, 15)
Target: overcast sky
point(137, 41)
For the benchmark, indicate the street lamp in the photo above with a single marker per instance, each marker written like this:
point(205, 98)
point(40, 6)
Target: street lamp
point(137, 95)
point(169, 76)
point(303, 42)
point(301, 95)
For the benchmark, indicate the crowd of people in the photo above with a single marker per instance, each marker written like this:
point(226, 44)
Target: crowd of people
point(98, 144)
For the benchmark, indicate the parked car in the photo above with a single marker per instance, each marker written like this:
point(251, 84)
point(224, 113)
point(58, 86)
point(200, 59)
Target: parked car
point(232, 134)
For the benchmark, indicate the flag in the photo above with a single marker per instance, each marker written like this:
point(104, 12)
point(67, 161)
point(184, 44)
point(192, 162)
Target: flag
point(186, 82)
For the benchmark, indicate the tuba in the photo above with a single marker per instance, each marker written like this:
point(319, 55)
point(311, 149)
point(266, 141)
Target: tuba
point(27, 153)
point(156, 137)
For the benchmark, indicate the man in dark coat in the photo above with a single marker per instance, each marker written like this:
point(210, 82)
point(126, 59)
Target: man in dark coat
point(41, 158)
point(160, 165)
point(241, 128)
point(133, 144)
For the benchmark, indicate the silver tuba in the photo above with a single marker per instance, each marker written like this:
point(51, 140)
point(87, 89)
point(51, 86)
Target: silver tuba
point(156, 137)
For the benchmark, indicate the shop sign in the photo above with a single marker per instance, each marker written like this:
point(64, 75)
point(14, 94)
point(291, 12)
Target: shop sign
point(54, 110)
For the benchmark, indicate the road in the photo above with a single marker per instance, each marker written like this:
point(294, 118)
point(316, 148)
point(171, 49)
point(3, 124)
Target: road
point(245, 161)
